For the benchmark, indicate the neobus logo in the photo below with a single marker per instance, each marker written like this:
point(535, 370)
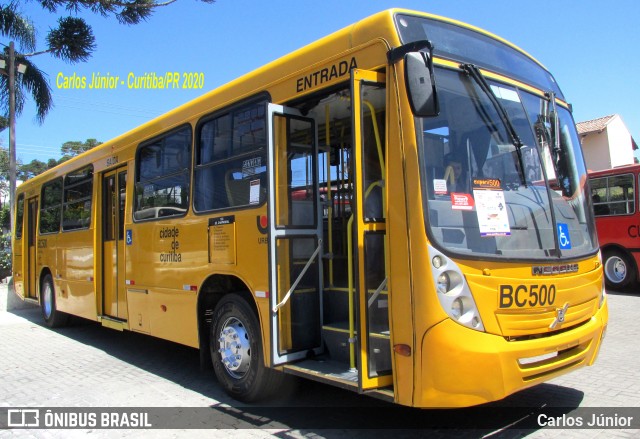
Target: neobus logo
point(551, 270)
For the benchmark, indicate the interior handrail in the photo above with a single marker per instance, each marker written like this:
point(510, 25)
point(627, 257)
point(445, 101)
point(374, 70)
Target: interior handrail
point(373, 298)
point(302, 273)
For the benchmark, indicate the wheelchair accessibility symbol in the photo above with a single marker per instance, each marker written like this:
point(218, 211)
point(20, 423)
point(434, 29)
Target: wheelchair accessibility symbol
point(563, 236)
point(129, 237)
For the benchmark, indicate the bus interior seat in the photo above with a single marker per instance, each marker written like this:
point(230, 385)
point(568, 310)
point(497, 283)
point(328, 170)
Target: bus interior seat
point(237, 189)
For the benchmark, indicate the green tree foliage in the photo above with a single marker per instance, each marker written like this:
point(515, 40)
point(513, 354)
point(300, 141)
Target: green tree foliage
point(126, 11)
point(31, 169)
point(4, 217)
point(5, 255)
point(4, 164)
point(4, 172)
point(73, 148)
point(36, 167)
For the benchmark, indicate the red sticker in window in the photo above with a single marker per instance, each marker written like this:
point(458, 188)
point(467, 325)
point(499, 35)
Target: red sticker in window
point(461, 201)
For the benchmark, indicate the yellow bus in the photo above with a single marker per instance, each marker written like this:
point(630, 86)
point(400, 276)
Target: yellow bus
point(398, 209)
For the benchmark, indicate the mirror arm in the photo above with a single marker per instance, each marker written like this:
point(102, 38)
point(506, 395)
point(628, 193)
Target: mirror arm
point(398, 53)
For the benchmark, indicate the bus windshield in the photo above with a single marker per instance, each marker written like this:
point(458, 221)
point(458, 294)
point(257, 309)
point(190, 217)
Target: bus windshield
point(488, 196)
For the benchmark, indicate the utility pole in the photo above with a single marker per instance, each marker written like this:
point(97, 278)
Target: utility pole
point(9, 67)
point(12, 134)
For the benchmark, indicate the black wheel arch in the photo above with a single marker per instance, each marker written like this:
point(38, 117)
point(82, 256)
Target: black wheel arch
point(43, 274)
point(214, 288)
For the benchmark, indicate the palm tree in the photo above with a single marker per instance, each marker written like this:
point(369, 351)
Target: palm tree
point(71, 41)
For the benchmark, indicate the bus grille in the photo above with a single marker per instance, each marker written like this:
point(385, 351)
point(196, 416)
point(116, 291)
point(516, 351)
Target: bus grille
point(515, 323)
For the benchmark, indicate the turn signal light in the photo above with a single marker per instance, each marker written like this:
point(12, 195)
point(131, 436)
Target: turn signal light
point(402, 349)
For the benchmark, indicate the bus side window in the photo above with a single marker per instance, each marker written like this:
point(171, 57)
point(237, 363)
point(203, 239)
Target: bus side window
point(599, 208)
point(162, 180)
point(613, 195)
point(230, 168)
point(19, 216)
point(76, 208)
point(51, 207)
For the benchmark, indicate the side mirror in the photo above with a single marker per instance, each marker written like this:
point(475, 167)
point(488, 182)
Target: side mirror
point(421, 86)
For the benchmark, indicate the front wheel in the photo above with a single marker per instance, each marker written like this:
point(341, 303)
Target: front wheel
point(236, 352)
point(52, 317)
point(619, 270)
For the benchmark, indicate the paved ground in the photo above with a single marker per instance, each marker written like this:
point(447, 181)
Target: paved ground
point(85, 365)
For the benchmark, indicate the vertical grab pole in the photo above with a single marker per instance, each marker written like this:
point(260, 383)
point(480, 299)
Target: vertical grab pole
point(329, 198)
point(352, 348)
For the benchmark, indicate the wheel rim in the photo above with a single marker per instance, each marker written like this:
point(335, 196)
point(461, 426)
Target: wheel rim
point(235, 347)
point(616, 269)
point(47, 299)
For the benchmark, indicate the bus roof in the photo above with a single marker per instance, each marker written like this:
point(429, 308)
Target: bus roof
point(378, 27)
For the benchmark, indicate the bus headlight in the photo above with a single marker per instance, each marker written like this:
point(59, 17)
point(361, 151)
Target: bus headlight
point(457, 308)
point(453, 292)
point(443, 283)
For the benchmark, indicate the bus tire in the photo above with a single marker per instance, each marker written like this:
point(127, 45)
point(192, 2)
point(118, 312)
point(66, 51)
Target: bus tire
point(52, 317)
point(236, 352)
point(619, 269)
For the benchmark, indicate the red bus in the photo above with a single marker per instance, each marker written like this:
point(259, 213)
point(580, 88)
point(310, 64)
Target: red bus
point(615, 204)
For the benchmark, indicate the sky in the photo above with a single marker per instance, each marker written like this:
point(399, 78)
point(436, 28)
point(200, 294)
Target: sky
point(591, 47)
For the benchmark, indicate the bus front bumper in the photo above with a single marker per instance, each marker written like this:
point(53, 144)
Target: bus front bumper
point(461, 367)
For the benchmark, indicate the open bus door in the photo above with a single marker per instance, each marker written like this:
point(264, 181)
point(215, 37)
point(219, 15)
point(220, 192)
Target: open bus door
point(295, 236)
point(368, 99)
point(114, 302)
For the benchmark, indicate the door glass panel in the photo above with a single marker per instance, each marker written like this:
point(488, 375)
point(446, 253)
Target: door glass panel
point(378, 344)
point(369, 162)
point(295, 235)
point(109, 208)
point(300, 317)
point(373, 136)
point(31, 243)
point(31, 222)
point(122, 189)
point(296, 204)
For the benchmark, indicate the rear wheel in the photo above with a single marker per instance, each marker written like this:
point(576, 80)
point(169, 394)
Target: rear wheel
point(52, 317)
point(619, 269)
point(236, 352)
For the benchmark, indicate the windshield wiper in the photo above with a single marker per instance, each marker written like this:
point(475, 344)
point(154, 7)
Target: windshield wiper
point(554, 122)
point(474, 72)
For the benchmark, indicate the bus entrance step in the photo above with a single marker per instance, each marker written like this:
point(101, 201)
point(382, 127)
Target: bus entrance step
point(327, 371)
